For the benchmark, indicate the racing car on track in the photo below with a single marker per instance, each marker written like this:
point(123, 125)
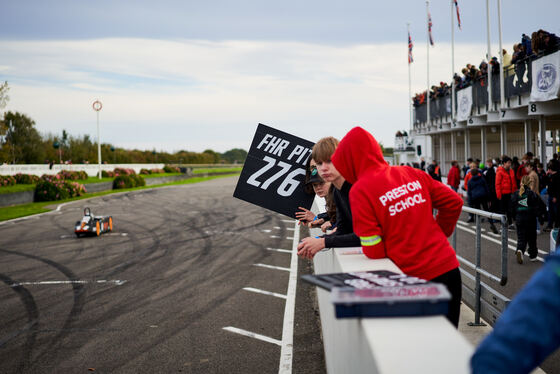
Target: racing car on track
point(93, 225)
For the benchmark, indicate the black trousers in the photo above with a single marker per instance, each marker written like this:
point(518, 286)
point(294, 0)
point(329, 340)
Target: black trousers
point(505, 207)
point(452, 280)
point(527, 233)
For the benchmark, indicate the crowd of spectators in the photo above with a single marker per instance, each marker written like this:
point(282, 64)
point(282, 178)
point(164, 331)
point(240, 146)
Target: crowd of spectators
point(539, 44)
point(497, 186)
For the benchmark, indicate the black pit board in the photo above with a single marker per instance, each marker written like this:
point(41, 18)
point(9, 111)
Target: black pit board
point(382, 293)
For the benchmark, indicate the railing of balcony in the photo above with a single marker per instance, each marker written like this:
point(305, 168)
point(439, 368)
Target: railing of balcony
point(517, 81)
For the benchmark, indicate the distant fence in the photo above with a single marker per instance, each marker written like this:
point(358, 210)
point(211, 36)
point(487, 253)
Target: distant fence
point(92, 169)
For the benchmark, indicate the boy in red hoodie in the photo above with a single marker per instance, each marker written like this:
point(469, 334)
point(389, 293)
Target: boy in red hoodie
point(392, 214)
point(506, 184)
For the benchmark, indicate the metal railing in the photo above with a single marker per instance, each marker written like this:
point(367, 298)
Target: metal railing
point(497, 302)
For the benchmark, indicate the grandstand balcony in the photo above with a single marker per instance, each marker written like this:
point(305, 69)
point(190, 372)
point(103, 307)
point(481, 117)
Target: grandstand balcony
point(482, 128)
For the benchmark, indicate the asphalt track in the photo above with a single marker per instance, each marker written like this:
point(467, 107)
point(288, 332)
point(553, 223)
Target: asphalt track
point(155, 295)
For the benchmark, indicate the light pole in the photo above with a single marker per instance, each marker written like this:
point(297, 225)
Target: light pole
point(97, 107)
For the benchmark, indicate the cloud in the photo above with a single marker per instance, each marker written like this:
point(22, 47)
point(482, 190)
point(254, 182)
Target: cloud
point(197, 94)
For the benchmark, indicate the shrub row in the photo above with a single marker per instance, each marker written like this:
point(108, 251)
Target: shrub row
point(171, 169)
point(72, 175)
point(152, 171)
point(128, 181)
point(50, 189)
point(7, 180)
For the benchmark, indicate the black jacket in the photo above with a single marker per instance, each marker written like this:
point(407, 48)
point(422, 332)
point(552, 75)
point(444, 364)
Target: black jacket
point(344, 235)
point(490, 178)
point(477, 188)
point(526, 205)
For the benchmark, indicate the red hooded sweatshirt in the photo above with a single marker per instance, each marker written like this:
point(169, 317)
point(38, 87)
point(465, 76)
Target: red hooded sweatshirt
point(392, 208)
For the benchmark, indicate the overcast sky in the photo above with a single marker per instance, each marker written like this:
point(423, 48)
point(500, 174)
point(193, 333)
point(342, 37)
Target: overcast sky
point(194, 75)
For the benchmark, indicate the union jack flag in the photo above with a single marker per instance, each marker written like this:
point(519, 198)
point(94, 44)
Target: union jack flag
point(430, 28)
point(410, 45)
point(458, 16)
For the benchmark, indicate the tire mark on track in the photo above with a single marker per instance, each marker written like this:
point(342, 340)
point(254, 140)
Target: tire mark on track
point(79, 299)
point(32, 320)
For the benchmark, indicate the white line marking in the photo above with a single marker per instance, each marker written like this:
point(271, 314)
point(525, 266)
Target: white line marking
point(274, 236)
point(272, 267)
point(513, 248)
point(473, 227)
point(290, 229)
point(252, 335)
point(288, 220)
point(266, 231)
point(289, 237)
point(116, 282)
point(286, 354)
point(279, 250)
point(277, 227)
point(256, 290)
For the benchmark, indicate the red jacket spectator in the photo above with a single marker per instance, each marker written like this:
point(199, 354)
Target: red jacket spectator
point(505, 182)
point(454, 177)
point(521, 172)
point(467, 179)
point(392, 209)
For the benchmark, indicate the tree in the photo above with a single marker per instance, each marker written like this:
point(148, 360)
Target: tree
point(23, 139)
point(235, 155)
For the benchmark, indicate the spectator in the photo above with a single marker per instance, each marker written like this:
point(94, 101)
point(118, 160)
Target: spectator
point(520, 170)
point(518, 59)
point(468, 176)
point(526, 43)
point(434, 171)
point(490, 178)
point(467, 166)
point(525, 204)
point(321, 189)
point(422, 164)
point(506, 59)
point(344, 235)
point(495, 66)
point(554, 192)
point(454, 176)
point(505, 186)
point(478, 194)
point(528, 330)
point(387, 227)
point(552, 169)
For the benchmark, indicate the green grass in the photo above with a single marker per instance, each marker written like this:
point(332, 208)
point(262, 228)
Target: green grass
point(159, 175)
point(217, 170)
point(17, 211)
point(17, 188)
point(94, 180)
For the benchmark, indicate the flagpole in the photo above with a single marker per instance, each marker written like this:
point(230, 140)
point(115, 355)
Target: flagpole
point(428, 62)
point(452, 65)
point(489, 57)
point(409, 81)
point(502, 93)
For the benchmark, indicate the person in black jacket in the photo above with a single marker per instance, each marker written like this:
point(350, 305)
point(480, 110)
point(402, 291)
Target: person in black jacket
point(343, 233)
point(434, 171)
point(489, 175)
point(525, 204)
point(478, 193)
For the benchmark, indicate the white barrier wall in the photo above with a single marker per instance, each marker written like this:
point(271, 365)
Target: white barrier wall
point(384, 345)
point(90, 169)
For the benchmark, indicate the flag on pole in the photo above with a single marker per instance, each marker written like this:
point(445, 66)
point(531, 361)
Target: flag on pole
point(410, 45)
point(458, 16)
point(430, 28)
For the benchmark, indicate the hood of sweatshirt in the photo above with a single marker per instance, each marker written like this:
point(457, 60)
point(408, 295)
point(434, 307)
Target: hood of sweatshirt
point(356, 153)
